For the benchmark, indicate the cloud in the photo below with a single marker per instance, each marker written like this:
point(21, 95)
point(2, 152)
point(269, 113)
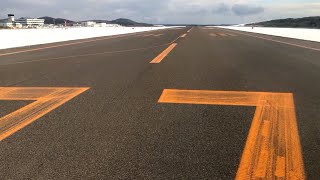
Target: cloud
point(246, 10)
point(162, 11)
point(221, 8)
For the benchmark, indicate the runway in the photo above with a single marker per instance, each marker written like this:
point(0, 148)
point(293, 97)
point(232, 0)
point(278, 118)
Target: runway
point(182, 103)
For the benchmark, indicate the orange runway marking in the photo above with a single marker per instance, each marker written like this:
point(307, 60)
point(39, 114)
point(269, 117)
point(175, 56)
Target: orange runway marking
point(46, 99)
point(90, 54)
point(183, 35)
point(273, 149)
point(161, 56)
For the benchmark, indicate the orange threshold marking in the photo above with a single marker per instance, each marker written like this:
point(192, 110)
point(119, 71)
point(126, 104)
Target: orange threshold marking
point(162, 55)
point(183, 35)
point(46, 99)
point(272, 149)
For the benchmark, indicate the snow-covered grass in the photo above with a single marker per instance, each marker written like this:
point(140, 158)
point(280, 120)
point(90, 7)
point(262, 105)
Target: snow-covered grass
point(11, 38)
point(295, 33)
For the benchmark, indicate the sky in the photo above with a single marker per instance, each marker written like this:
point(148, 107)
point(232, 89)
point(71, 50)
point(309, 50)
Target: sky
point(164, 11)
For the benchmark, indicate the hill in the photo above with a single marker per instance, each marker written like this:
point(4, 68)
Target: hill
point(128, 22)
point(121, 21)
point(99, 21)
point(51, 20)
point(306, 22)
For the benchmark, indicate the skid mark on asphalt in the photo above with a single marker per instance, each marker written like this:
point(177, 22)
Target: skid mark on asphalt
point(164, 53)
point(157, 35)
point(206, 28)
point(222, 34)
point(230, 34)
point(46, 99)
point(154, 35)
point(272, 149)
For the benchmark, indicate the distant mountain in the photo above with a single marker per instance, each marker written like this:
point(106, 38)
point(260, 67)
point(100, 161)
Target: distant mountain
point(306, 22)
point(99, 21)
point(128, 22)
point(121, 21)
point(51, 20)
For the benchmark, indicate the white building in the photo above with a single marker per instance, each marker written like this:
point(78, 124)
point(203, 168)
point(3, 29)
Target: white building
point(7, 23)
point(112, 25)
point(11, 18)
point(30, 22)
point(18, 25)
point(94, 24)
point(76, 25)
point(101, 25)
point(88, 24)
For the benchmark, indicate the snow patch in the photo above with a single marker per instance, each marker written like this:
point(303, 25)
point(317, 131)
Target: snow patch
point(295, 33)
point(11, 38)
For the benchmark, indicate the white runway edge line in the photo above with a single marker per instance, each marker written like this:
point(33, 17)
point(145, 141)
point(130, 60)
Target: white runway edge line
point(294, 33)
point(282, 42)
point(27, 37)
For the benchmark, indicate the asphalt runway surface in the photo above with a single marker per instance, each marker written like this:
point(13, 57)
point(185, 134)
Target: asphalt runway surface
point(117, 129)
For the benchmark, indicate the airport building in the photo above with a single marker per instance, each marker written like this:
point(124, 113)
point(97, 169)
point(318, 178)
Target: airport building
point(94, 24)
point(7, 23)
point(30, 22)
point(88, 24)
point(19, 23)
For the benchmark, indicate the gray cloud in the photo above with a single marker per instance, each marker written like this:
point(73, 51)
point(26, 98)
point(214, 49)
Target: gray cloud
point(155, 11)
point(246, 10)
point(221, 8)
